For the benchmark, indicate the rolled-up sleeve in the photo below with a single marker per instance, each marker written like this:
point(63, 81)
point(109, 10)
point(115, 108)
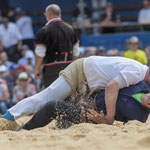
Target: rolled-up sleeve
point(127, 78)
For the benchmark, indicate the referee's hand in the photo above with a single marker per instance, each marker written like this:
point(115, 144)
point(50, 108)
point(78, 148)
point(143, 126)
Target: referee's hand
point(37, 74)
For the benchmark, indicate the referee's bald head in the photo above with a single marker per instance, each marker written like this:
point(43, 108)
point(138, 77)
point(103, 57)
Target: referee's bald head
point(54, 10)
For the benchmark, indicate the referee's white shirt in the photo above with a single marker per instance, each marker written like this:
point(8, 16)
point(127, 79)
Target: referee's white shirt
point(9, 36)
point(99, 71)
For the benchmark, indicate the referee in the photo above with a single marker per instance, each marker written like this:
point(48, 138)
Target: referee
point(56, 45)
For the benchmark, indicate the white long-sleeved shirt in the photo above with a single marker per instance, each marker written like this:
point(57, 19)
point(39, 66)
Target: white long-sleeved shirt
point(99, 71)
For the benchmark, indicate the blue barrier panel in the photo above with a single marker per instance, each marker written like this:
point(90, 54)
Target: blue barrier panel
point(117, 40)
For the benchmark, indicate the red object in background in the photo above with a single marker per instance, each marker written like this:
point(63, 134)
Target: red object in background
point(23, 67)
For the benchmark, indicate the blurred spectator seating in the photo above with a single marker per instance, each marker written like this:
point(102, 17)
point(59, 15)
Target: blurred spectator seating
point(127, 10)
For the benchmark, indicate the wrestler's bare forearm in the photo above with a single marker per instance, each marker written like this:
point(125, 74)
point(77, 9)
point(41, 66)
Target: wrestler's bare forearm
point(111, 94)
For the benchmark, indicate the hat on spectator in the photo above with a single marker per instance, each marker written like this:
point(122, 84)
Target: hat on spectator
point(23, 67)
point(29, 55)
point(24, 47)
point(134, 39)
point(3, 68)
point(23, 76)
point(13, 67)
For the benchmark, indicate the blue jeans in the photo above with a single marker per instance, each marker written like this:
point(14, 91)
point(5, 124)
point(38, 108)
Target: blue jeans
point(3, 107)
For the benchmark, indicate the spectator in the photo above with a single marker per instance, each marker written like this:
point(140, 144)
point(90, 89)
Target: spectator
point(38, 82)
point(77, 12)
point(24, 24)
point(3, 71)
point(100, 51)
point(11, 15)
point(81, 15)
point(10, 38)
point(4, 60)
point(1, 17)
point(23, 89)
point(136, 53)
point(30, 72)
point(144, 14)
point(4, 96)
point(30, 58)
point(113, 52)
point(21, 68)
point(98, 6)
point(26, 52)
point(90, 51)
point(11, 80)
point(108, 19)
point(128, 44)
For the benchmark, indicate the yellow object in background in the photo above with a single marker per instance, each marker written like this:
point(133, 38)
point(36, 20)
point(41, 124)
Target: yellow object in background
point(138, 55)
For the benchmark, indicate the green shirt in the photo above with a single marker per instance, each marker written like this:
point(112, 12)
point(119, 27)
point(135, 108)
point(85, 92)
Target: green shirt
point(138, 96)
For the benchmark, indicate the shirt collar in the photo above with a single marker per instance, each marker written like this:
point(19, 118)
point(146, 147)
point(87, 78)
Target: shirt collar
point(55, 19)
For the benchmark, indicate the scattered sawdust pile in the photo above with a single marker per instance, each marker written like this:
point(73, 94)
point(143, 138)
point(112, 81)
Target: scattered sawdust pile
point(7, 125)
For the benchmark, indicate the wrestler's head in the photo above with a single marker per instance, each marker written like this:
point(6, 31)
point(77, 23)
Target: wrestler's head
point(145, 99)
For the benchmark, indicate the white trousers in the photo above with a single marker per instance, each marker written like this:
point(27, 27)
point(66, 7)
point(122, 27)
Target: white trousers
point(58, 90)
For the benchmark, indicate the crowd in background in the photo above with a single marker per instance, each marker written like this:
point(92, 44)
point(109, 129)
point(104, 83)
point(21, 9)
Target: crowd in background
point(104, 15)
point(17, 59)
point(133, 50)
point(17, 50)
